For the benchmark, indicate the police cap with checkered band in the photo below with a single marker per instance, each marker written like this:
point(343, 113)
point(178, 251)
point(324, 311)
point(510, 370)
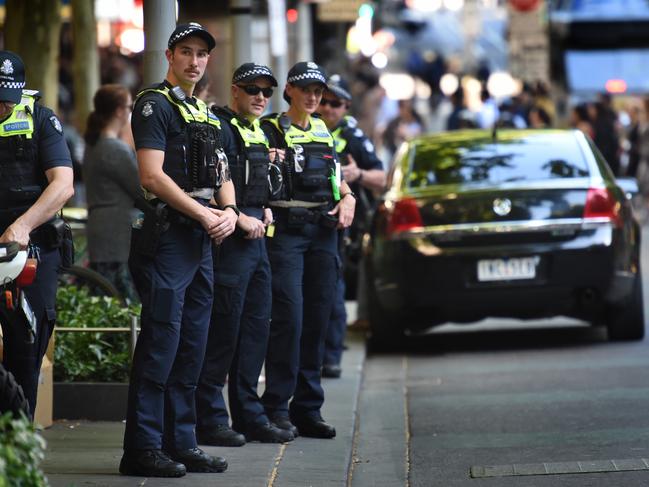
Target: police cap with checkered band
point(12, 77)
point(183, 31)
point(306, 73)
point(251, 71)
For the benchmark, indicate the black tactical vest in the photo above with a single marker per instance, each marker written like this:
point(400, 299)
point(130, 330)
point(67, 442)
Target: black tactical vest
point(249, 170)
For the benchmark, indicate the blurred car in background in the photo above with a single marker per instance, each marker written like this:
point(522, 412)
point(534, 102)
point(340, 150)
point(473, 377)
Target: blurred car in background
point(515, 223)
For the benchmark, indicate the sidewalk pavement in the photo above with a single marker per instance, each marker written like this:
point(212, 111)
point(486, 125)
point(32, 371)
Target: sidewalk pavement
point(83, 453)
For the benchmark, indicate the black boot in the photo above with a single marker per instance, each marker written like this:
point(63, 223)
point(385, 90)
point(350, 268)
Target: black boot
point(220, 435)
point(150, 463)
point(268, 433)
point(196, 460)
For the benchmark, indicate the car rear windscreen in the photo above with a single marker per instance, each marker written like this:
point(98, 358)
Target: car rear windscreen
point(450, 160)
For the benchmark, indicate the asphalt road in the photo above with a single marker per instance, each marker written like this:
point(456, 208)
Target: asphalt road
point(506, 403)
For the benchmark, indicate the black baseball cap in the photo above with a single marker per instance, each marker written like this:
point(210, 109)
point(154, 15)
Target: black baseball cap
point(251, 71)
point(305, 73)
point(12, 77)
point(183, 31)
point(339, 87)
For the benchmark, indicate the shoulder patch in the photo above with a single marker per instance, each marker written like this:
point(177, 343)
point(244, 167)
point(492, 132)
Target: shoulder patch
point(56, 124)
point(351, 122)
point(147, 108)
point(369, 147)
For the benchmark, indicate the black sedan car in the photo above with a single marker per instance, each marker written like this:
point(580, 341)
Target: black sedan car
point(520, 224)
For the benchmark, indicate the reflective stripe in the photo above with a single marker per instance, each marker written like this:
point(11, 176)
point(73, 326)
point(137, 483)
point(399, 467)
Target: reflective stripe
point(189, 112)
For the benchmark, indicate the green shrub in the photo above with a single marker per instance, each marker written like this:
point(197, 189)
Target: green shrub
point(21, 452)
point(91, 356)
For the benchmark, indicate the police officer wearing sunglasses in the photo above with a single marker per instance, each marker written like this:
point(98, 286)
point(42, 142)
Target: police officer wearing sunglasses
point(364, 172)
point(181, 162)
point(35, 182)
point(238, 337)
point(313, 203)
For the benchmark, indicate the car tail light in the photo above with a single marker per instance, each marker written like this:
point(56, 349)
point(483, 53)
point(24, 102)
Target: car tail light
point(600, 203)
point(27, 275)
point(403, 217)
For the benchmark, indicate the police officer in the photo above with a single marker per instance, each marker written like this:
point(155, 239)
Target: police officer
point(313, 203)
point(35, 181)
point(364, 172)
point(178, 142)
point(238, 335)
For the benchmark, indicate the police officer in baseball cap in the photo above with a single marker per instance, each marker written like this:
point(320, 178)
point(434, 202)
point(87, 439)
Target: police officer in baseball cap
point(181, 156)
point(364, 173)
point(35, 182)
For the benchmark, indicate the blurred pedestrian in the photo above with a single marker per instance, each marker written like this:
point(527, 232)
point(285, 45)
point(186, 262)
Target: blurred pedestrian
point(406, 125)
point(364, 172)
point(238, 337)
point(314, 201)
point(36, 179)
point(181, 162)
point(112, 186)
point(606, 134)
point(580, 119)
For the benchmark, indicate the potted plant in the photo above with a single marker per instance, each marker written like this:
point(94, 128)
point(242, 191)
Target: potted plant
point(21, 452)
point(91, 367)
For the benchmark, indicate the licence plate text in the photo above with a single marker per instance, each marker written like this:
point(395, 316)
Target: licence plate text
point(507, 269)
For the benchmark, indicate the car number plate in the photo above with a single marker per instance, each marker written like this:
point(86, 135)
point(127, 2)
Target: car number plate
point(507, 269)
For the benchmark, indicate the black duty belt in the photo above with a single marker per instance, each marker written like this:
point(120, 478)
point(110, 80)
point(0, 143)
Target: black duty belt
point(296, 217)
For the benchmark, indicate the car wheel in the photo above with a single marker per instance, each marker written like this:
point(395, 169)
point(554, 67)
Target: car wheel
point(626, 322)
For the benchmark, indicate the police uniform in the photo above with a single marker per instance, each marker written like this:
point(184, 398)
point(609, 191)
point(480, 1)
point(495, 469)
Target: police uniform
point(303, 261)
point(31, 142)
point(349, 139)
point(175, 281)
point(238, 336)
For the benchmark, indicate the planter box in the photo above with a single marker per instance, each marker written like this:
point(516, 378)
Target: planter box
point(90, 400)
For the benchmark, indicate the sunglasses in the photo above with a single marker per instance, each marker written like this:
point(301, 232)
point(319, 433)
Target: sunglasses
point(254, 90)
point(331, 103)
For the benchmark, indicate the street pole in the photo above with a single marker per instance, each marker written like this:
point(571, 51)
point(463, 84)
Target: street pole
point(159, 23)
point(241, 22)
point(278, 47)
point(304, 35)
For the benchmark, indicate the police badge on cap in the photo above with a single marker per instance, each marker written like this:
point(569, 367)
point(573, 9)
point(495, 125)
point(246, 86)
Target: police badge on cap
point(12, 77)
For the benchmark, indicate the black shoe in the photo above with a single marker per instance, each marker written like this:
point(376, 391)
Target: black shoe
point(220, 435)
point(268, 433)
point(150, 463)
point(331, 371)
point(196, 460)
point(283, 423)
point(314, 427)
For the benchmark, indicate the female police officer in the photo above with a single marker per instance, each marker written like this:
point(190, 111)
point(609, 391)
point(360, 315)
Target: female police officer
point(314, 202)
point(178, 145)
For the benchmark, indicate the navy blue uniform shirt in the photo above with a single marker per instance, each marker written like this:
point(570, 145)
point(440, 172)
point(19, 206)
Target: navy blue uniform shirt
point(157, 124)
point(52, 150)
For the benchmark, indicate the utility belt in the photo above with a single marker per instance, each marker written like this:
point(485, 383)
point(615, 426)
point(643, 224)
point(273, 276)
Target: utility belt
point(55, 234)
point(157, 218)
point(295, 218)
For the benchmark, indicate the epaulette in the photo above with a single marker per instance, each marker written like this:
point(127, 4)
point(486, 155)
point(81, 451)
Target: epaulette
point(351, 121)
point(33, 93)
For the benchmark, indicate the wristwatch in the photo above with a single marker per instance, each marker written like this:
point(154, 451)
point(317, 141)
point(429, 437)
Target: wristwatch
point(234, 208)
point(348, 193)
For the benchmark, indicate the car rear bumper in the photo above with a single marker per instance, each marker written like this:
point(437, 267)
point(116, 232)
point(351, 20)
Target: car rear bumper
point(575, 277)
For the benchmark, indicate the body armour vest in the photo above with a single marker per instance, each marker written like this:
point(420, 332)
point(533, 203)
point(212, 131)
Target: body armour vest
point(203, 163)
point(250, 169)
point(309, 165)
point(342, 133)
point(21, 178)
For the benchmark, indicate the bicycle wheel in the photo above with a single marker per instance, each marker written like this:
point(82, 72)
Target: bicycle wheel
point(12, 397)
point(93, 281)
